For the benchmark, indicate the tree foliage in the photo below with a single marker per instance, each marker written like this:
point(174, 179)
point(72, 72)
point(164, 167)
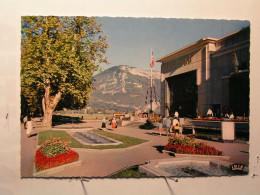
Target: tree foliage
point(65, 51)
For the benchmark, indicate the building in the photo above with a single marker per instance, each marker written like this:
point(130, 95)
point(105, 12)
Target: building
point(210, 73)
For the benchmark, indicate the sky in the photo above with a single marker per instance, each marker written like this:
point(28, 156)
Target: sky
point(131, 40)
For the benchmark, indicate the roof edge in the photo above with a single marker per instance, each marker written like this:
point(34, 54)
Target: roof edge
point(202, 41)
point(199, 42)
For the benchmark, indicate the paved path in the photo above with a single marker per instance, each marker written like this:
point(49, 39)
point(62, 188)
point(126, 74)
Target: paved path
point(101, 163)
point(28, 149)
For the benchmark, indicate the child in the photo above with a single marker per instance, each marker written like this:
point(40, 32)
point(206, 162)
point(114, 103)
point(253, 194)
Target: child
point(160, 127)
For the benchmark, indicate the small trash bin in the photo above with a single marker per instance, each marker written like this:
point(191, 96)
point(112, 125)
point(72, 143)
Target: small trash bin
point(228, 130)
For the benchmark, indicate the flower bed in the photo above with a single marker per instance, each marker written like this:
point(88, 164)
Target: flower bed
point(187, 145)
point(240, 120)
point(126, 119)
point(209, 119)
point(220, 119)
point(54, 152)
point(155, 119)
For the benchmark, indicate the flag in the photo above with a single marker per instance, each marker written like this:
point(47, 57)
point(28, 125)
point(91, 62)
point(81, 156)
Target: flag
point(152, 61)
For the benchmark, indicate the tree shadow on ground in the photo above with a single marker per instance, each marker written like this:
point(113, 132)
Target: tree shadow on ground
point(33, 135)
point(159, 148)
point(148, 125)
point(154, 134)
point(59, 120)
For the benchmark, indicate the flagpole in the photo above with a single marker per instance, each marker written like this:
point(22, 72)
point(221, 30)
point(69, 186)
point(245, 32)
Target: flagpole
point(151, 98)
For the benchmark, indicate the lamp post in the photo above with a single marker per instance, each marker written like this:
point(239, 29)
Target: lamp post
point(151, 94)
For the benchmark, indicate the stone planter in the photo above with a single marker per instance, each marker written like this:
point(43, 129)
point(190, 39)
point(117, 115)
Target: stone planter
point(197, 155)
point(206, 166)
point(52, 171)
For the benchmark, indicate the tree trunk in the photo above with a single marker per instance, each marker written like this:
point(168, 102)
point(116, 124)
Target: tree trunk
point(47, 118)
point(49, 104)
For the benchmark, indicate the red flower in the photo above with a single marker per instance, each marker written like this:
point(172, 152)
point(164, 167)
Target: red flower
point(43, 162)
point(194, 148)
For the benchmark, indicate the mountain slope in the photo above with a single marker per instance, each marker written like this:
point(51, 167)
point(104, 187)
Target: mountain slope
point(124, 88)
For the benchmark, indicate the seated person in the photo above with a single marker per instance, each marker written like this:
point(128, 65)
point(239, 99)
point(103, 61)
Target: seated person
point(231, 116)
point(210, 113)
point(175, 125)
point(226, 115)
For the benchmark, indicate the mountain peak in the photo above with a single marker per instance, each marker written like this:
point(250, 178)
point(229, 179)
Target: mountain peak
point(134, 71)
point(124, 67)
point(123, 88)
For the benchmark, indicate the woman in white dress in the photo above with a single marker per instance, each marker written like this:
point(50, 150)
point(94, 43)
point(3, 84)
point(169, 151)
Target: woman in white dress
point(29, 127)
point(104, 121)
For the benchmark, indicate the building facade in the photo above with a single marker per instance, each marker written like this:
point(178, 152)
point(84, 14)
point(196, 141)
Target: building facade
point(210, 73)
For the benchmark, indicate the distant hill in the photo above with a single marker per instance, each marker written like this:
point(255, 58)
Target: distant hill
point(124, 88)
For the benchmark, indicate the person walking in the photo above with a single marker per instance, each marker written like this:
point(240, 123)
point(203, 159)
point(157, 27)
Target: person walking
point(104, 122)
point(168, 123)
point(160, 127)
point(29, 127)
point(114, 123)
point(25, 119)
point(163, 121)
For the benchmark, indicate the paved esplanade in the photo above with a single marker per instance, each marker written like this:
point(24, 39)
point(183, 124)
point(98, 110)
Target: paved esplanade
point(101, 163)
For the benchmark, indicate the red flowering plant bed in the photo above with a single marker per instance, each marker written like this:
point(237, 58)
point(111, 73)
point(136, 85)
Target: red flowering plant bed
point(220, 119)
point(187, 145)
point(54, 152)
point(240, 120)
point(209, 119)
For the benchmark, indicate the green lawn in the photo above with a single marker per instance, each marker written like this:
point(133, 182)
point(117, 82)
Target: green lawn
point(126, 141)
point(129, 172)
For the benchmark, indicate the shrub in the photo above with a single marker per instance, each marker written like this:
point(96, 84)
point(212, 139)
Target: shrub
point(147, 125)
point(54, 146)
point(155, 119)
point(185, 140)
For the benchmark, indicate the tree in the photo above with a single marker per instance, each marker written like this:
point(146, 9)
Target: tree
point(59, 57)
